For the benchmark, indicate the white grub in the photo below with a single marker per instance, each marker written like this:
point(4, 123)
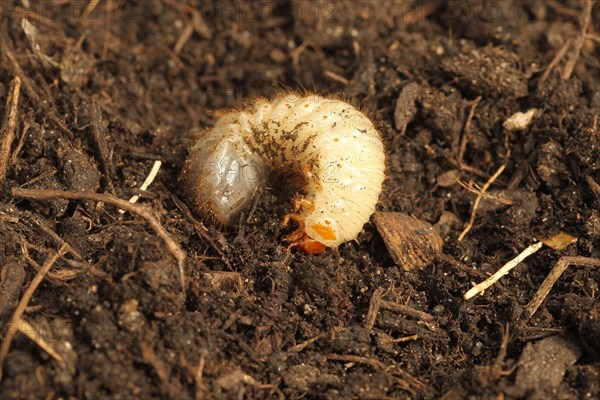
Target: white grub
point(332, 149)
point(520, 120)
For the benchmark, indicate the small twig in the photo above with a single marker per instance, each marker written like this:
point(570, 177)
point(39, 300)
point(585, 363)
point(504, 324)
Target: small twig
point(28, 330)
point(473, 188)
point(35, 282)
point(143, 212)
point(559, 268)
point(40, 224)
point(406, 310)
point(467, 130)
point(585, 22)
point(371, 362)
point(8, 124)
point(503, 349)
point(200, 229)
point(58, 277)
point(473, 170)
point(89, 8)
point(198, 378)
point(335, 77)
point(559, 55)
point(160, 368)
point(594, 186)
point(479, 288)
point(146, 184)
point(174, 57)
point(19, 147)
point(406, 339)
point(185, 36)
point(491, 373)
point(301, 346)
point(480, 196)
point(297, 52)
point(377, 302)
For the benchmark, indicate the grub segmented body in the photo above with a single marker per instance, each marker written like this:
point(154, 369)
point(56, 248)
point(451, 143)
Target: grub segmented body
point(334, 148)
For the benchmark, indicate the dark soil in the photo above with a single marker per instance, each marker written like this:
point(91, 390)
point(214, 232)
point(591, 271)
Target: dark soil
point(104, 95)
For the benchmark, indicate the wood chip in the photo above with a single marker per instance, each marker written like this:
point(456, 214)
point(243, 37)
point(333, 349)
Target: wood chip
point(405, 106)
point(559, 241)
point(412, 243)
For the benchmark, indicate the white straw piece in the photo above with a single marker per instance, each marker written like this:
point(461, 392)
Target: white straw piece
point(479, 288)
point(146, 183)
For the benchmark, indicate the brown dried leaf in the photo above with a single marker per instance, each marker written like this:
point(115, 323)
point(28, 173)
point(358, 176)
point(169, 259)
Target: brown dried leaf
point(448, 178)
point(412, 243)
point(406, 106)
point(559, 241)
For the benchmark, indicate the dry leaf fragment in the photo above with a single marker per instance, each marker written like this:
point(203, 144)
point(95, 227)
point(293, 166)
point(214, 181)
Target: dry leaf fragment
point(559, 241)
point(405, 106)
point(412, 243)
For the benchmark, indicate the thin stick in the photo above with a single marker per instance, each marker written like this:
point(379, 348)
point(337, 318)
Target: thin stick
point(38, 222)
point(473, 188)
point(8, 124)
point(28, 330)
point(198, 378)
point(301, 346)
point(594, 186)
point(479, 288)
point(586, 17)
point(559, 55)
point(35, 282)
point(89, 8)
point(146, 184)
point(406, 339)
point(556, 272)
point(372, 362)
point(406, 310)
point(335, 77)
point(480, 196)
point(17, 151)
point(467, 130)
point(147, 214)
point(185, 36)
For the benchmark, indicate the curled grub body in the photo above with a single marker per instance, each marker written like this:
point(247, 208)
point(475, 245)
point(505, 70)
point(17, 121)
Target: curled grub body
point(330, 146)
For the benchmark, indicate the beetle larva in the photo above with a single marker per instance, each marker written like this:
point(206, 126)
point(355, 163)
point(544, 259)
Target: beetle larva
point(333, 148)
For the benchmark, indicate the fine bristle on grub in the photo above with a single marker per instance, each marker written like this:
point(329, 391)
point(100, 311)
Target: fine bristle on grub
point(412, 243)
